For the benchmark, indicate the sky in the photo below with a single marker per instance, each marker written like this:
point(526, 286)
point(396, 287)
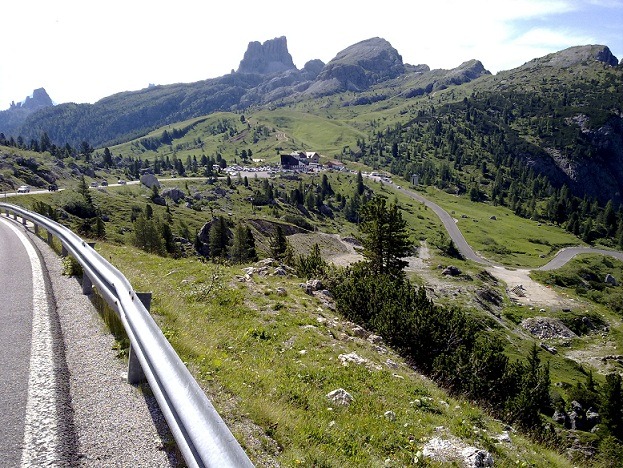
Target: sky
point(81, 51)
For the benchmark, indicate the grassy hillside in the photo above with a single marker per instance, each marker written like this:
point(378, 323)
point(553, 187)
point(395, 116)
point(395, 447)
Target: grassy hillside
point(268, 354)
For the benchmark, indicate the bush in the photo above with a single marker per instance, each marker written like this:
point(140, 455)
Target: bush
point(312, 265)
point(71, 267)
point(298, 221)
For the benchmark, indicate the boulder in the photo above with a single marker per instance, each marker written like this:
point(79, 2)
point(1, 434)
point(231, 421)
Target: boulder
point(560, 417)
point(451, 270)
point(173, 193)
point(592, 419)
point(340, 397)
point(149, 180)
point(610, 280)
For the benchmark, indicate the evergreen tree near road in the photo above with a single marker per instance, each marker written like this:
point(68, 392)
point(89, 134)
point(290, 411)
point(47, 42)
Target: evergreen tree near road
point(384, 237)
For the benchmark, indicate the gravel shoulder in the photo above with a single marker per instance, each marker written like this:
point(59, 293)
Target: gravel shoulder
point(116, 424)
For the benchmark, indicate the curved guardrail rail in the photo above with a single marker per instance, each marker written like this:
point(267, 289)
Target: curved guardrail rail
point(201, 435)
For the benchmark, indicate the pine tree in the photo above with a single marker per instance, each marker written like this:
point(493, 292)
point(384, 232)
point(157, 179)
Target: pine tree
point(360, 186)
point(611, 409)
point(251, 251)
point(218, 238)
point(147, 235)
point(384, 237)
point(242, 249)
point(278, 244)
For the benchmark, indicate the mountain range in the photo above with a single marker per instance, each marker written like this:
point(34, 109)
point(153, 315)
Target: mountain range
point(266, 75)
point(562, 112)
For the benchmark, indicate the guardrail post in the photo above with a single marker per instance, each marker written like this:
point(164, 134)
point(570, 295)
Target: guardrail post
point(15, 216)
point(23, 221)
point(50, 238)
point(87, 284)
point(64, 252)
point(135, 371)
point(36, 229)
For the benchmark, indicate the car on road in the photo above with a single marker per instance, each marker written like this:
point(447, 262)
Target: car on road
point(104, 183)
point(121, 182)
point(94, 184)
point(23, 189)
point(52, 187)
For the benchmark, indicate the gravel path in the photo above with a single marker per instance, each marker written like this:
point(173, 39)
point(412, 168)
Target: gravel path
point(115, 424)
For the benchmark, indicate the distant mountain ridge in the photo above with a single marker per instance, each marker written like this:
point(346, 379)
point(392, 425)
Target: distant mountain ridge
point(266, 75)
point(372, 71)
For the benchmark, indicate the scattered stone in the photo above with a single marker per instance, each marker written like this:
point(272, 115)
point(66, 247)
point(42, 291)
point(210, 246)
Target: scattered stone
point(476, 457)
point(454, 450)
point(282, 292)
point(359, 332)
point(351, 357)
point(326, 293)
point(340, 396)
point(549, 349)
point(504, 437)
point(315, 284)
point(279, 271)
point(546, 328)
point(493, 217)
point(391, 364)
point(375, 339)
point(390, 415)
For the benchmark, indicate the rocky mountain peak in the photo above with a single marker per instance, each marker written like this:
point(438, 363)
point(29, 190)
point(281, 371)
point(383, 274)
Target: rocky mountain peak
point(576, 55)
point(265, 59)
point(360, 66)
point(38, 100)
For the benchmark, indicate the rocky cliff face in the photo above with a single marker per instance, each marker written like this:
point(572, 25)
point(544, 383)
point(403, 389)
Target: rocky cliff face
point(13, 117)
point(38, 100)
point(268, 58)
point(602, 175)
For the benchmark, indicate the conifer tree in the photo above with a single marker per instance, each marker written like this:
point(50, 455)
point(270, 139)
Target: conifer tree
point(278, 244)
point(218, 238)
point(384, 237)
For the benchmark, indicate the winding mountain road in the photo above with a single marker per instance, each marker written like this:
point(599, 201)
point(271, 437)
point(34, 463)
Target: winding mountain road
point(562, 257)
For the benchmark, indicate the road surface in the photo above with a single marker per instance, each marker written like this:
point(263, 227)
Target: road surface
point(64, 398)
point(31, 376)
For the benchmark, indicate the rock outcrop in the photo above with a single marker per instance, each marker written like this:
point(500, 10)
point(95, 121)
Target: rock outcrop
point(39, 100)
point(268, 58)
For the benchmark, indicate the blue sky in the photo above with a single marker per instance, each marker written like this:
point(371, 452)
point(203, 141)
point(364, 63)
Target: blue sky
point(82, 51)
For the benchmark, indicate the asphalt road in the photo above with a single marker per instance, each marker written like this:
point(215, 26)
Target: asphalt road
point(15, 342)
point(34, 429)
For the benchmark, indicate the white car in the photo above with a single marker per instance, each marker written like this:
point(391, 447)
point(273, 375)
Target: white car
point(121, 182)
point(23, 189)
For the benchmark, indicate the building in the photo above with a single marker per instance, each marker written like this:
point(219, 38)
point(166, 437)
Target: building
point(299, 158)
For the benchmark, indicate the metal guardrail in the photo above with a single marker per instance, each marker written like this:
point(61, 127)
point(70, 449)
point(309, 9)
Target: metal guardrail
point(201, 435)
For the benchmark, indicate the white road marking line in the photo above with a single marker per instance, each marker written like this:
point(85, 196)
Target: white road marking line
point(41, 439)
